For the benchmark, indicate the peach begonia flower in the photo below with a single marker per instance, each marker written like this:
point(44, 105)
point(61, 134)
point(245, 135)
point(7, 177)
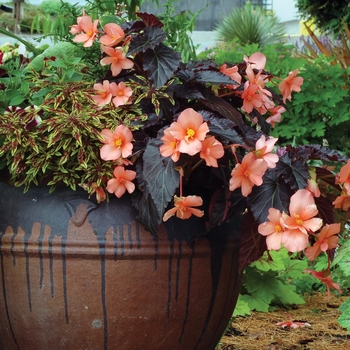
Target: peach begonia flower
point(233, 74)
point(275, 115)
point(114, 34)
point(121, 92)
point(170, 146)
point(121, 182)
point(104, 94)
point(263, 148)
point(247, 174)
point(289, 84)
point(190, 130)
point(257, 60)
point(251, 97)
point(272, 229)
point(116, 59)
point(211, 150)
point(342, 201)
point(117, 143)
point(98, 190)
point(89, 29)
point(312, 185)
point(326, 239)
point(183, 207)
point(302, 209)
point(256, 78)
point(326, 278)
point(344, 176)
point(76, 28)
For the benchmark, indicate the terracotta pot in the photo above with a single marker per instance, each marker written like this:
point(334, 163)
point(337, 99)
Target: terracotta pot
point(77, 275)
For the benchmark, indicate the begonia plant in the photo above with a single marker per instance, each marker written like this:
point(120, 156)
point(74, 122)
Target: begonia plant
point(115, 111)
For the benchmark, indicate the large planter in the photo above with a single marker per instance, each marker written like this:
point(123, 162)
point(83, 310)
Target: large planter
point(78, 275)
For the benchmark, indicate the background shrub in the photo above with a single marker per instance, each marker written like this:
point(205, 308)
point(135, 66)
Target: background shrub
point(251, 25)
point(326, 14)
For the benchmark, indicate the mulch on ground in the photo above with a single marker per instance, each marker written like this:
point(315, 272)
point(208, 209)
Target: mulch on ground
point(259, 332)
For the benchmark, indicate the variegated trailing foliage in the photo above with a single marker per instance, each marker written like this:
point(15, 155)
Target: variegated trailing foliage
point(64, 148)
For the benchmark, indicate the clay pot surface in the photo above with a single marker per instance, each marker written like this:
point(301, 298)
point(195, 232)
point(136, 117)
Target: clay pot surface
point(75, 275)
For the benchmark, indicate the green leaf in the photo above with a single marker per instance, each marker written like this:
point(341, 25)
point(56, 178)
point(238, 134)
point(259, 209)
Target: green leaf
point(285, 293)
point(294, 268)
point(343, 253)
point(344, 319)
point(255, 303)
point(160, 176)
point(242, 307)
point(41, 93)
point(275, 264)
point(17, 100)
point(261, 285)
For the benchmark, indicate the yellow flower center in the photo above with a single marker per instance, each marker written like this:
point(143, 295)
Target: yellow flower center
point(173, 144)
point(278, 228)
point(246, 173)
point(298, 220)
point(89, 33)
point(190, 133)
point(120, 93)
point(118, 143)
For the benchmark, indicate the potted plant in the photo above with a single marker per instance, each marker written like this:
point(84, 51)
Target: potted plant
point(136, 187)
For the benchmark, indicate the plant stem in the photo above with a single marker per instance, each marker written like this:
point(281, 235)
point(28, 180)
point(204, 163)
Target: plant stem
point(26, 43)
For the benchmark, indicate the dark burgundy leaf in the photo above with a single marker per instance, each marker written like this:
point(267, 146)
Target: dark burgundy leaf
point(225, 109)
point(327, 176)
point(273, 193)
point(160, 176)
point(150, 19)
point(148, 214)
point(196, 66)
point(222, 128)
point(214, 77)
point(225, 206)
point(265, 127)
point(187, 92)
point(133, 27)
point(186, 75)
point(318, 152)
point(251, 244)
point(294, 171)
point(160, 63)
point(151, 38)
point(325, 209)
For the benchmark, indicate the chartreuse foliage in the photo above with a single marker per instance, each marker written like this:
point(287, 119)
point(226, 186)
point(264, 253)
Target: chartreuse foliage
point(266, 283)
